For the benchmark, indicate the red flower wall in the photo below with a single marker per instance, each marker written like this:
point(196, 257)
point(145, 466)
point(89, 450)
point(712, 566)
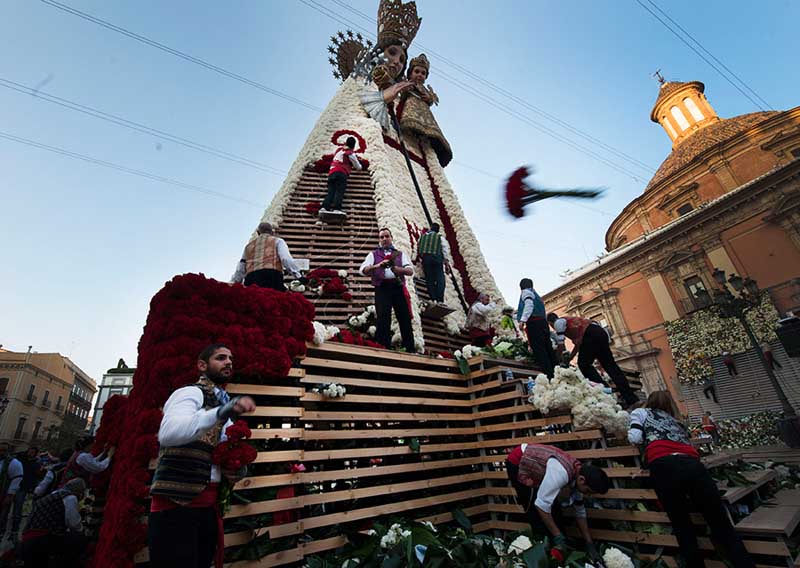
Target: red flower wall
point(264, 329)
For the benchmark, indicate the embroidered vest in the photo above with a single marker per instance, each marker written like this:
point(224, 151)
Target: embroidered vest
point(183, 472)
point(48, 513)
point(430, 243)
point(661, 426)
point(533, 464)
point(576, 327)
point(341, 161)
point(378, 274)
point(538, 304)
point(262, 252)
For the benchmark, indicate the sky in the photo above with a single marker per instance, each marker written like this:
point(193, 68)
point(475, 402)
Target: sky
point(86, 246)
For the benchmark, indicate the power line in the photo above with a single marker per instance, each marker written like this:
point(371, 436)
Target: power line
point(115, 119)
point(125, 169)
point(728, 69)
point(700, 55)
point(181, 54)
point(493, 102)
point(522, 102)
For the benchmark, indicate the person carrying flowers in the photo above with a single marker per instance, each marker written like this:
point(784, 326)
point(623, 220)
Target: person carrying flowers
point(264, 260)
point(539, 473)
point(184, 527)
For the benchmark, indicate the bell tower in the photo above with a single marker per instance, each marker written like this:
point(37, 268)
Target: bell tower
point(682, 109)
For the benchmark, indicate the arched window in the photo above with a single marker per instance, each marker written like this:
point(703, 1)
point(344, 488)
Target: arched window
point(693, 110)
point(668, 125)
point(679, 118)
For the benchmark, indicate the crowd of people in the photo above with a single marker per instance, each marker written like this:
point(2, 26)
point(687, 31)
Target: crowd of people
point(55, 486)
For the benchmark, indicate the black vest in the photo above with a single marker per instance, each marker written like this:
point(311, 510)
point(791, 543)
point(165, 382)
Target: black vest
point(48, 513)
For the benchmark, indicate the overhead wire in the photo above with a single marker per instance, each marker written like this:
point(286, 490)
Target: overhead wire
point(711, 55)
point(700, 55)
point(118, 120)
point(123, 168)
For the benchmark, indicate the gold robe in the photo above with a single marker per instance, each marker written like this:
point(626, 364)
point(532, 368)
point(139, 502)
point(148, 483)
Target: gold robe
point(417, 117)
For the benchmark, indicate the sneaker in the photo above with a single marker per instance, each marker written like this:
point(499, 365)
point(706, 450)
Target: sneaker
point(323, 210)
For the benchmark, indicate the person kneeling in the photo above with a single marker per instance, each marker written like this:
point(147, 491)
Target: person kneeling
point(539, 473)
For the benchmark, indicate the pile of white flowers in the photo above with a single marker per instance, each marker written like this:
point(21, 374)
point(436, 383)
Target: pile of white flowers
point(323, 333)
point(395, 534)
point(468, 352)
point(591, 407)
point(519, 545)
point(361, 320)
point(615, 558)
point(334, 390)
point(296, 286)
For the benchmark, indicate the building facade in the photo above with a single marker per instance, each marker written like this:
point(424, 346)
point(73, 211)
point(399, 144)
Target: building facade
point(40, 389)
point(727, 196)
point(118, 380)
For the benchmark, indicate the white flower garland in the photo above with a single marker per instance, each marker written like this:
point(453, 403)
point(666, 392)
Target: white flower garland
point(591, 407)
point(395, 534)
point(333, 390)
point(323, 333)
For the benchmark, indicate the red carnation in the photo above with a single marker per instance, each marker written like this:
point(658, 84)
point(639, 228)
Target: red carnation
point(238, 430)
point(313, 207)
point(556, 554)
point(515, 191)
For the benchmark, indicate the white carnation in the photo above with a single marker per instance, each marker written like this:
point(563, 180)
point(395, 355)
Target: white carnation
point(520, 545)
point(372, 330)
point(342, 274)
point(615, 558)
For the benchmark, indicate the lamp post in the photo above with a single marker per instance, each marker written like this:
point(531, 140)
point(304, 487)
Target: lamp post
point(747, 297)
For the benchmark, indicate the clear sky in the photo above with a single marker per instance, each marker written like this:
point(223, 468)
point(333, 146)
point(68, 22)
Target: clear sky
point(85, 247)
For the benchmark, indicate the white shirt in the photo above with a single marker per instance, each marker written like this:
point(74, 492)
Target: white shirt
point(555, 479)
point(44, 484)
point(91, 464)
point(15, 471)
point(387, 273)
point(185, 420)
point(338, 156)
point(284, 255)
point(636, 429)
point(72, 514)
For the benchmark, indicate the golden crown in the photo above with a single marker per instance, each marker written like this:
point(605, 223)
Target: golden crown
point(419, 61)
point(397, 22)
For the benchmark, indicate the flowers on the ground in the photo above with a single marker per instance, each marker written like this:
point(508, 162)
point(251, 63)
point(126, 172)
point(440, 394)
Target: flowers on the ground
point(759, 429)
point(591, 407)
point(520, 545)
point(297, 286)
point(323, 333)
point(394, 535)
point(313, 207)
point(329, 283)
point(615, 558)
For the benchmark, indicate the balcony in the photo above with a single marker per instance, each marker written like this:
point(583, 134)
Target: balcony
point(20, 436)
point(31, 398)
point(47, 403)
point(690, 305)
point(59, 407)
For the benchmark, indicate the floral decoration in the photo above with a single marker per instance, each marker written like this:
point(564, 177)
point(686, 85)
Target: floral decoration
point(332, 390)
point(233, 454)
point(329, 283)
point(265, 330)
point(313, 207)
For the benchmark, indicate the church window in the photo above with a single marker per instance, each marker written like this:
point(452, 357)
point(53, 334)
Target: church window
point(695, 287)
point(670, 129)
point(684, 209)
point(677, 114)
point(693, 110)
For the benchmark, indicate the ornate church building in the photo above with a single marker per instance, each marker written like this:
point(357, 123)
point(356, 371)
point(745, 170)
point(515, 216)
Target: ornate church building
point(728, 197)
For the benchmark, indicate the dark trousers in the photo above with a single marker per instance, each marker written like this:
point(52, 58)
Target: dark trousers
point(185, 537)
point(731, 366)
point(713, 390)
point(390, 296)
point(539, 340)
point(595, 346)
point(65, 549)
point(683, 484)
point(266, 278)
point(337, 184)
point(433, 265)
point(772, 361)
point(526, 497)
point(15, 508)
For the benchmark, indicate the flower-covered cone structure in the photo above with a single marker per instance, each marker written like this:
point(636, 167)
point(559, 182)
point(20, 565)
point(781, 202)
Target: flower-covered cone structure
point(384, 195)
point(265, 329)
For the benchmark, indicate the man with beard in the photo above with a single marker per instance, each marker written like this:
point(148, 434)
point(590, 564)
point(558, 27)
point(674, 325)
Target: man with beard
point(183, 524)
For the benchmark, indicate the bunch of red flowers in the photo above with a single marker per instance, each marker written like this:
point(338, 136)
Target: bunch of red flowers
point(313, 207)
point(264, 329)
point(233, 454)
point(356, 338)
point(329, 283)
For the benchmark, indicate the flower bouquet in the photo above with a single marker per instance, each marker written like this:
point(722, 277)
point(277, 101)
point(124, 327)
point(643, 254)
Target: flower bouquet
point(233, 456)
point(332, 390)
point(329, 283)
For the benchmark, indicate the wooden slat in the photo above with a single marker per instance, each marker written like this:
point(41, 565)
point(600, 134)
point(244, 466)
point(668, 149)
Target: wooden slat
point(381, 369)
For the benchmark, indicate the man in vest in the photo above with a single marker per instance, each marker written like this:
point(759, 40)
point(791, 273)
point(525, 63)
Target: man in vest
point(590, 341)
point(433, 250)
point(183, 523)
point(388, 268)
point(531, 314)
point(53, 474)
point(478, 325)
point(54, 529)
point(264, 260)
point(539, 473)
point(11, 473)
point(344, 160)
point(83, 463)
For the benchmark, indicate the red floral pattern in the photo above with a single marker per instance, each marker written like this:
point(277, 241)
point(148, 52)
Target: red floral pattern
point(339, 138)
point(265, 330)
point(313, 207)
point(331, 284)
point(356, 338)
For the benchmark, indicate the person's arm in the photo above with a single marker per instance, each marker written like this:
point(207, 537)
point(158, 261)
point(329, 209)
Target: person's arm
point(367, 267)
point(286, 258)
point(92, 464)
point(484, 309)
point(185, 419)
point(527, 309)
point(72, 514)
point(446, 254)
point(405, 267)
point(555, 479)
point(41, 488)
point(239, 273)
point(15, 473)
point(636, 429)
point(354, 161)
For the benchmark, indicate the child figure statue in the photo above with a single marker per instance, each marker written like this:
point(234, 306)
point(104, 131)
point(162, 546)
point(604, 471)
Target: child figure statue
point(414, 110)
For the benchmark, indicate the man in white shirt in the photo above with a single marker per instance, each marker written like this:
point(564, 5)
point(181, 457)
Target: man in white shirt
point(182, 527)
point(478, 325)
point(54, 530)
point(388, 268)
point(264, 261)
point(53, 473)
point(83, 463)
point(540, 473)
point(11, 473)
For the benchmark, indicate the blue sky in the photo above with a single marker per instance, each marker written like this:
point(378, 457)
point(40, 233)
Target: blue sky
point(86, 247)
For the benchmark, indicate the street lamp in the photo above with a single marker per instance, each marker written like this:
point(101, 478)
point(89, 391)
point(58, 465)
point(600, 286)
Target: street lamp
point(736, 306)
